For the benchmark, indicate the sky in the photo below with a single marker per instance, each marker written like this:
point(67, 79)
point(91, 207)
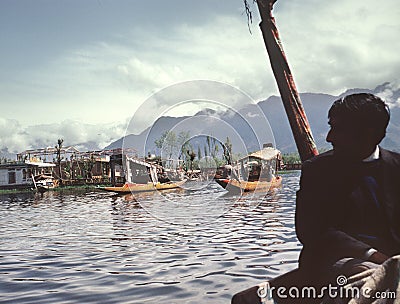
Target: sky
point(81, 69)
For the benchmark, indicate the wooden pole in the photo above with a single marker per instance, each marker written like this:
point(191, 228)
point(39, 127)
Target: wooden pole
point(290, 97)
point(34, 181)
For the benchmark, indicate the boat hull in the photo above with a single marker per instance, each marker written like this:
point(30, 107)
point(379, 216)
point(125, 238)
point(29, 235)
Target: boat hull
point(233, 185)
point(129, 188)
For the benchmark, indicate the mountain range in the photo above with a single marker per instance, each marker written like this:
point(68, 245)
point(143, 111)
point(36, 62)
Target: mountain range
point(247, 134)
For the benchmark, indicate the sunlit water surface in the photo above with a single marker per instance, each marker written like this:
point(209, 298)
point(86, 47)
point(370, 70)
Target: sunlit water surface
point(182, 246)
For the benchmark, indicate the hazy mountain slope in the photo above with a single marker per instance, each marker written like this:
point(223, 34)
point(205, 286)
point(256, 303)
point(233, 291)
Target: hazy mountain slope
point(316, 106)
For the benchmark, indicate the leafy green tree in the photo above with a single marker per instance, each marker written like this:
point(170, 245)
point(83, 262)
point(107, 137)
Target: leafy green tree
point(206, 154)
point(291, 158)
point(170, 143)
point(216, 145)
point(68, 169)
point(160, 142)
point(183, 144)
point(208, 140)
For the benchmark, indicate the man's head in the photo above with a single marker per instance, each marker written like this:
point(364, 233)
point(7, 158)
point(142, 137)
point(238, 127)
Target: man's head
point(358, 123)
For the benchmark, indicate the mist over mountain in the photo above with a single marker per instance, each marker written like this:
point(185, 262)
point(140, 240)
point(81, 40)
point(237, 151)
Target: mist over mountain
point(316, 106)
point(247, 127)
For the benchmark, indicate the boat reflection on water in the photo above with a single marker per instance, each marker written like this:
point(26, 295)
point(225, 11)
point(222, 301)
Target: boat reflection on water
point(91, 246)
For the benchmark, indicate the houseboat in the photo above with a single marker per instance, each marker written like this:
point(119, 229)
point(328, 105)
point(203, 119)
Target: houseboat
point(22, 175)
point(255, 172)
point(142, 176)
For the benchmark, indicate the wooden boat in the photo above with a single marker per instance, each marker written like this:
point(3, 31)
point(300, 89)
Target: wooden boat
point(233, 185)
point(142, 176)
point(255, 172)
point(133, 187)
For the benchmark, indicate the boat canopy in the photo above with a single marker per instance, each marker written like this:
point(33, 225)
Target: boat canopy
point(264, 154)
point(139, 162)
point(135, 174)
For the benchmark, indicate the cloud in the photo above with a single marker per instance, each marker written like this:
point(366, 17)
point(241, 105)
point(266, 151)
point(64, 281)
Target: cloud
point(221, 50)
point(390, 92)
point(106, 75)
point(12, 134)
point(188, 98)
point(336, 45)
point(18, 138)
point(330, 46)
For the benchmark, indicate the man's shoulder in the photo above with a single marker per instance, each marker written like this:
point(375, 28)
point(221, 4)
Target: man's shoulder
point(327, 158)
point(324, 159)
point(321, 170)
point(390, 157)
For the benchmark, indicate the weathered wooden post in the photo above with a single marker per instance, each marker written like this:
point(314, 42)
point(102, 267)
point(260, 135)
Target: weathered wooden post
point(298, 123)
point(287, 88)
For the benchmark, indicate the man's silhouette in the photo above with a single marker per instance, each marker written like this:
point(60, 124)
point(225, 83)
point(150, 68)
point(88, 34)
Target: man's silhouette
point(348, 204)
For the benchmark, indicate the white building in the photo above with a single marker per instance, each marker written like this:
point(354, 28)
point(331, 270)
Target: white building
point(19, 175)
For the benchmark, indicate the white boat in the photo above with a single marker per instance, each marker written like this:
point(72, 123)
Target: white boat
point(44, 183)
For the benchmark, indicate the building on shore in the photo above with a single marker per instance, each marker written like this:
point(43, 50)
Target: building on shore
point(20, 175)
point(68, 165)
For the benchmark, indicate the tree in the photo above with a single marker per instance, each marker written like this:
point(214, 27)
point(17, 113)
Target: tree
point(58, 148)
point(170, 143)
point(208, 139)
point(167, 143)
point(205, 151)
point(227, 146)
point(215, 148)
point(160, 142)
point(183, 143)
point(192, 156)
point(291, 158)
point(68, 169)
point(88, 165)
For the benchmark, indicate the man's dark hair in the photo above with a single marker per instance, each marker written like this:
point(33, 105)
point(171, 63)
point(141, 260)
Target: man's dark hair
point(362, 109)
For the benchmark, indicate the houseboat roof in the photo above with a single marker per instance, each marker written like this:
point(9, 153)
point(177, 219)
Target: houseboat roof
point(264, 154)
point(13, 165)
point(139, 162)
point(49, 151)
point(26, 164)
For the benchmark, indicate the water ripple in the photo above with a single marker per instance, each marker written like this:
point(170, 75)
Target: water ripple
point(94, 247)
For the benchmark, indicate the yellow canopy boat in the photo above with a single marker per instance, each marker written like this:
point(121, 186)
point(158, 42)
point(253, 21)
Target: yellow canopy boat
point(255, 172)
point(142, 176)
point(233, 185)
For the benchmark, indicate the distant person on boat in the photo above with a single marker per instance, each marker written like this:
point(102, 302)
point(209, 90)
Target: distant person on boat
point(347, 207)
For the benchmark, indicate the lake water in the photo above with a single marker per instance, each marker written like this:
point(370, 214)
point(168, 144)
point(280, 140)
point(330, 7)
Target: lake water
point(194, 245)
